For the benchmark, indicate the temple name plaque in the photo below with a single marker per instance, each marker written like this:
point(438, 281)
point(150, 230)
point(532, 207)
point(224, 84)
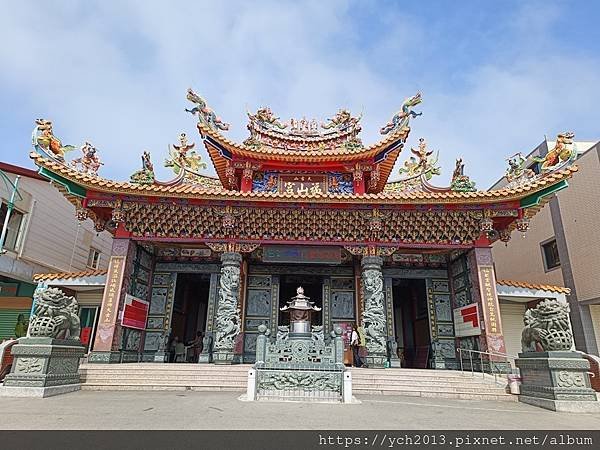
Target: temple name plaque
point(304, 254)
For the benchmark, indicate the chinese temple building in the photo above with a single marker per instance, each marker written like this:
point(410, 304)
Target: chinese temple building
point(300, 203)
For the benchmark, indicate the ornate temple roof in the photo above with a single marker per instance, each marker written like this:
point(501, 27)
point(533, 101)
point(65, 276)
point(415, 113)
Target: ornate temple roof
point(302, 141)
point(298, 150)
point(99, 184)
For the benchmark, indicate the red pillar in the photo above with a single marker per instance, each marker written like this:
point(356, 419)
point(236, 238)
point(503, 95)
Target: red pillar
point(120, 267)
point(359, 182)
point(246, 185)
point(483, 281)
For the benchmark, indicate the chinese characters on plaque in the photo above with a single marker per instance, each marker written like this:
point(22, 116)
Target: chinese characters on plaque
point(110, 304)
point(488, 300)
point(303, 184)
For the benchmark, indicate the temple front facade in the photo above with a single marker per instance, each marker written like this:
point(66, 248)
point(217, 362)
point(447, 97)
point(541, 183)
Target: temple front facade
point(300, 204)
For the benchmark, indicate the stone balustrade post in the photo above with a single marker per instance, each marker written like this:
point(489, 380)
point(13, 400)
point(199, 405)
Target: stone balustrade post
point(338, 343)
point(261, 344)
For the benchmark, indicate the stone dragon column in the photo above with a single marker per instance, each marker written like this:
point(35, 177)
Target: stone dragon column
point(227, 320)
point(374, 311)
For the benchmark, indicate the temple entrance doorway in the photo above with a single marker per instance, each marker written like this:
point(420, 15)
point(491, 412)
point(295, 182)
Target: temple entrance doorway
point(190, 307)
point(313, 288)
point(411, 322)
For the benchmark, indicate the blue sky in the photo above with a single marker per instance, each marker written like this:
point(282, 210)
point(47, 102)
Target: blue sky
point(496, 76)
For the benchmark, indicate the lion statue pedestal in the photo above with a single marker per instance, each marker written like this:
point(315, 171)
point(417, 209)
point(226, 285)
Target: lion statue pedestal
point(554, 376)
point(47, 360)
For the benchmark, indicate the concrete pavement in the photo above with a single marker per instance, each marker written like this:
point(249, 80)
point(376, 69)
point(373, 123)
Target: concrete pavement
point(172, 410)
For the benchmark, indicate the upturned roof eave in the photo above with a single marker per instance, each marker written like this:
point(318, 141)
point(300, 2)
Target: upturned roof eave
point(277, 154)
point(98, 184)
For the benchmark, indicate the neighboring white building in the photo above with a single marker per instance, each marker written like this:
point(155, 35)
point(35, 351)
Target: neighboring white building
point(43, 236)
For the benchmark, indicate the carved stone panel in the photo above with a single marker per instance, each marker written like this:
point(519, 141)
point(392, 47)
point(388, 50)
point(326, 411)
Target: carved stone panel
point(462, 298)
point(258, 281)
point(442, 307)
point(440, 286)
point(158, 300)
point(132, 339)
point(343, 284)
point(446, 348)
point(146, 259)
point(29, 365)
point(153, 341)
point(161, 279)
point(141, 291)
point(342, 304)
point(143, 274)
point(258, 303)
point(156, 323)
point(460, 282)
point(253, 324)
point(250, 343)
point(445, 329)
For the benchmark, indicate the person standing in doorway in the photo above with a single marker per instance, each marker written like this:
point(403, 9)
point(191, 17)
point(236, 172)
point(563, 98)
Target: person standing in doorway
point(362, 344)
point(196, 346)
point(355, 344)
point(172, 349)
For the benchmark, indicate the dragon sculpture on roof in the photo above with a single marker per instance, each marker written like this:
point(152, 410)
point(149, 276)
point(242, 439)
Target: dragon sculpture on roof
point(204, 112)
point(342, 121)
point(265, 118)
point(402, 117)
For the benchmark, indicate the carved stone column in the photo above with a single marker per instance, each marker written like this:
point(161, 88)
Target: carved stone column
point(227, 320)
point(374, 312)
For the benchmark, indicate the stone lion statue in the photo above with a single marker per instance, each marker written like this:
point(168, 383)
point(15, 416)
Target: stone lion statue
point(547, 328)
point(54, 315)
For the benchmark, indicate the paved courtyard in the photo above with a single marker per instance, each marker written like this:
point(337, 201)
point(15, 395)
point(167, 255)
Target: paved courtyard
point(219, 410)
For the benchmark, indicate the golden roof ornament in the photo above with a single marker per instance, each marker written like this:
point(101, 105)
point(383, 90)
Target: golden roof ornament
point(563, 154)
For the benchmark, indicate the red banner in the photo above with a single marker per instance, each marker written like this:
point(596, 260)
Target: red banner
point(135, 313)
point(85, 335)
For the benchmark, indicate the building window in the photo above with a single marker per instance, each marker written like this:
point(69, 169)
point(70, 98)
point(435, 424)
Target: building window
point(93, 258)
point(550, 252)
point(14, 227)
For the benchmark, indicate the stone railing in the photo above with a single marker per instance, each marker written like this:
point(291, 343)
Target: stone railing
point(310, 369)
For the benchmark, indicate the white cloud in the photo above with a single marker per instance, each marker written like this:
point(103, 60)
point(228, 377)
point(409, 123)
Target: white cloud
point(116, 73)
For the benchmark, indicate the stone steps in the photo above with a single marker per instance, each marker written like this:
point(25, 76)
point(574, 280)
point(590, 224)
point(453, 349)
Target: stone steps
point(159, 387)
point(450, 395)
point(415, 386)
point(210, 377)
point(428, 378)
